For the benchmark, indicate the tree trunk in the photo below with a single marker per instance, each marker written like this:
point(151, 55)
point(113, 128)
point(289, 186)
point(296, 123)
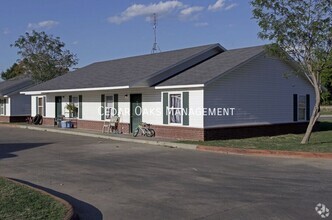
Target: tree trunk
point(314, 116)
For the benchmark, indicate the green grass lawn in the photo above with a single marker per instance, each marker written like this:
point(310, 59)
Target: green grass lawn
point(20, 202)
point(321, 141)
point(326, 110)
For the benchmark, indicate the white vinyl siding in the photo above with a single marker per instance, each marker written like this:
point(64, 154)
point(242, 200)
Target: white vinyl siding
point(151, 105)
point(261, 92)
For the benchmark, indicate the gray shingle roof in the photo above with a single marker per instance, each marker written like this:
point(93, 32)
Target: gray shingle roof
point(14, 85)
point(214, 67)
point(121, 72)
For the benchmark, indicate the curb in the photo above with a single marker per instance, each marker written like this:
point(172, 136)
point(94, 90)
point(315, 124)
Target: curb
point(140, 141)
point(70, 215)
point(274, 153)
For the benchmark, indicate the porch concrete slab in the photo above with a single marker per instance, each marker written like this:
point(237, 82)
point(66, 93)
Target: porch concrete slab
point(115, 137)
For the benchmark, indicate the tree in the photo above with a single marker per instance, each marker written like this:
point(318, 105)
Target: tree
point(44, 56)
point(303, 30)
point(15, 70)
point(327, 82)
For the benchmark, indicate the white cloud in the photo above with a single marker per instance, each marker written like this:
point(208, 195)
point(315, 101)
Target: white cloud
point(229, 7)
point(190, 10)
point(145, 10)
point(43, 24)
point(6, 31)
point(217, 6)
point(201, 24)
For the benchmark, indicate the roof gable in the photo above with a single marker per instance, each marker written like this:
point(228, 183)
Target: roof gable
point(15, 85)
point(215, 67)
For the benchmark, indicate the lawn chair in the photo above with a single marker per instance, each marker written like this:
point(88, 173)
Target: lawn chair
point(111, 125)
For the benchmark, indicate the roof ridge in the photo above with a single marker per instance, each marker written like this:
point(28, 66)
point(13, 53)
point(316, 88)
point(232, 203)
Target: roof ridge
point(155, 54)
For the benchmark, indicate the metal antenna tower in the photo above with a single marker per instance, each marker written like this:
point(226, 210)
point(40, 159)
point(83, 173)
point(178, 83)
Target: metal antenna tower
point(155, 47)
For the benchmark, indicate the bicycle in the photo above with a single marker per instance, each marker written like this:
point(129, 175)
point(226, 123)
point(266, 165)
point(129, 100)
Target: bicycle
point(144, 129)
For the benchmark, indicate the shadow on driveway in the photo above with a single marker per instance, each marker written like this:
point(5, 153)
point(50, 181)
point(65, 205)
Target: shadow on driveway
point(82, 209)
point(6, 149)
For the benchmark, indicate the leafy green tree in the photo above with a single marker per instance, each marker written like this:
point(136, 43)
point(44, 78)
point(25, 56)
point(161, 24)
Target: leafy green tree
point(15, 70)
point(303, 29)
point(44, 56)
point(327, 82)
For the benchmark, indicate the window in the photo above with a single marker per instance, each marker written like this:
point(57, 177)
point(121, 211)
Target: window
point(40, 106)
point(2, 106)
point(109, 112)
point(302, 107)
point(76, 105)
point(175, 108)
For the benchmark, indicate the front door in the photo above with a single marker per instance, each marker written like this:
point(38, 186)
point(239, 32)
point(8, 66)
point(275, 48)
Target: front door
point(58, 106)
point(135, 111)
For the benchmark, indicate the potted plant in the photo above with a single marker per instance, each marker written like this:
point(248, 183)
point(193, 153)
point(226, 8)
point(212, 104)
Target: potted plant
point(71, 108)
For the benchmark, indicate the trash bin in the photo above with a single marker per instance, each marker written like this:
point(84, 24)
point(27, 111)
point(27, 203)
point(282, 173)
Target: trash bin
point(69, 124)
point(63, 124)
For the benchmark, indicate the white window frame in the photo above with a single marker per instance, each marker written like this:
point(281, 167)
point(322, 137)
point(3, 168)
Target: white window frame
point(302, 106)
point(171, 108)
point(2, 106)
point(109, 112)
point(40, 106)
point(75, 102)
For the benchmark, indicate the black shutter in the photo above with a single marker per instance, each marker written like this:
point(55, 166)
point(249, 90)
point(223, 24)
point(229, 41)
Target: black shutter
point(36, 105)
point(80, 106)
point(116, 104)
point(307, 107)
point(295, 107)
point(44, 106)
point(70, 102)
point(165, 108)
point(185, 116)
point(102, 104)
point(4, 106)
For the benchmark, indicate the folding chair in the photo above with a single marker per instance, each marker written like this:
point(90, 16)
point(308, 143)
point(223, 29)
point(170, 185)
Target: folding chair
point(111, 124)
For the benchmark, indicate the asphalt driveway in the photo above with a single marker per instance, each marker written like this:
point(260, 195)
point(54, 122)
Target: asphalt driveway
point(106, 179)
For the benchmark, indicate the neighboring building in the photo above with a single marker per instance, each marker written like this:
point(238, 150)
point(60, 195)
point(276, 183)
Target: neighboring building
point(15, 107)
point(227, 93)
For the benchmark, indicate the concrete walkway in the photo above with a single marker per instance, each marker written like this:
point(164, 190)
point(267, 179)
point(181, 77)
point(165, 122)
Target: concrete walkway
point(115, 137)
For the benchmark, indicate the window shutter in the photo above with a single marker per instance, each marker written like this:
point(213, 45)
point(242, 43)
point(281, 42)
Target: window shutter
point(116, 104)
point(102, 104)
point(307, 107)
point(165, 108)
point(80, 106)
point(70, 102)
point(36, 105)
point(44, 106)
point(295, 108)
point(185, 116)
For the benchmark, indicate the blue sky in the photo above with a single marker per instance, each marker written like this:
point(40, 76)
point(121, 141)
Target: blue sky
point(105, 29)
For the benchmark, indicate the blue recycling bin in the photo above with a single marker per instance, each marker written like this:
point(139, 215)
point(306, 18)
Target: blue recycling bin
point(69, 124)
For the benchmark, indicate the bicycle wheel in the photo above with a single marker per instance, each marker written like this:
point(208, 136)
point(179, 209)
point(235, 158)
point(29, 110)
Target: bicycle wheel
point(150, 132)
point(135, 133)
